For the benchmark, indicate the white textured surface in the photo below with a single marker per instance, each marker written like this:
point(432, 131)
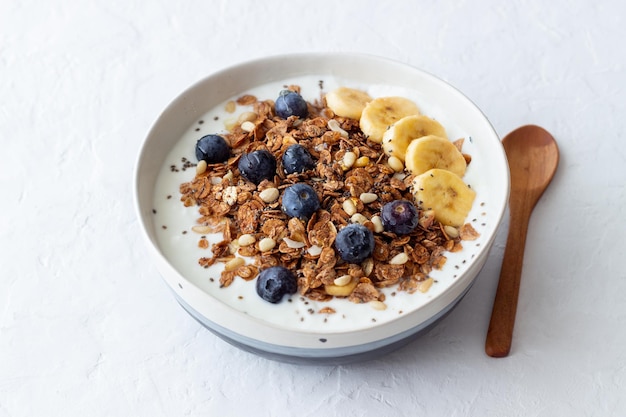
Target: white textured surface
point(88, 329)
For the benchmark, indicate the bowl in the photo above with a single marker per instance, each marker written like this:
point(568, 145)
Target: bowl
point(297, 331)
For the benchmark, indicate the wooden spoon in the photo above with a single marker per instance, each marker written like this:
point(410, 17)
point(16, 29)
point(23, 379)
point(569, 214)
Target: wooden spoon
point(533, 157)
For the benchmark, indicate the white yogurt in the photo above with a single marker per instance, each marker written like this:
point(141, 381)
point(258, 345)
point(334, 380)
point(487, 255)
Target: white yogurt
point(179, 243)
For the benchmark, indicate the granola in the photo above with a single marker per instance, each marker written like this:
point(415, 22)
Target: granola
point(353, 179)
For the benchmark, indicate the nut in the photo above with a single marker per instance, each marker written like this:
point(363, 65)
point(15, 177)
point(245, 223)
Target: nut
point(246, 240)
point(269, 195)
point(451, 231)
point(202, 229)
point(247, 116)
point(314, 250)
point(395, 163)
point(378, 224)
point(349, 207)
point(267, 244)
point(230, 107)
point(367, 198)
point(362, 162)
point(201, 167)
point(368, 266)
point(247, 126)
point(228, 176)
point(342, 280)
point(293, 244)
point(358, 218)
point(425, 285)
point(378, 305)
point(349, 158)
point(334, 126)
point(399, 259)
point(234, 264)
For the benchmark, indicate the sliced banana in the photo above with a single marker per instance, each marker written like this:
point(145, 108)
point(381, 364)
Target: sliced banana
point(434, 152)
point(347, 102)
point(446, 194)
point(380, 113)
point(397, 138)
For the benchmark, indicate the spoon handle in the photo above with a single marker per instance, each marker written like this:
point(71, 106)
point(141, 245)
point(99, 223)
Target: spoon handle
point(500, 332)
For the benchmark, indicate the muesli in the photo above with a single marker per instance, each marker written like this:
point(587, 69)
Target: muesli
point(353, 176)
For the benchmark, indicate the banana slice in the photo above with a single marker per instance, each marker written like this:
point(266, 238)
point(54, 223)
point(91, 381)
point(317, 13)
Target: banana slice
point(405, 130)
point(434, 152)
point(382, 112)
point(446, 194)
point(347, 102)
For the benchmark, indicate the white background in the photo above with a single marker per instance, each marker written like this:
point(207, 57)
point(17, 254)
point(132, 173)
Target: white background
point(87, 327)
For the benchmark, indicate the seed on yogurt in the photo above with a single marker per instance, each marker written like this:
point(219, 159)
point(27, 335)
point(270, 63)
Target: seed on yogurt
point(378, 305)
point(201, 229)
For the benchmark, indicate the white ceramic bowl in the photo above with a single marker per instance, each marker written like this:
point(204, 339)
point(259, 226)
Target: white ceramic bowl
point(487, 174)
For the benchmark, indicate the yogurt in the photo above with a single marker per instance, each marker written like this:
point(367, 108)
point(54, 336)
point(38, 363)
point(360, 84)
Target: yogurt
point(179, 244)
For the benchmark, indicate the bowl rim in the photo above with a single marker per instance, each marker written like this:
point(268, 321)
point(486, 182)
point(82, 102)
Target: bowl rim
point(344, 338)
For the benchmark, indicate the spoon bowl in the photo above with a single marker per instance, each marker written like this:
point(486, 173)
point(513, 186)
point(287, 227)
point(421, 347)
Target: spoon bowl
point(533, 157)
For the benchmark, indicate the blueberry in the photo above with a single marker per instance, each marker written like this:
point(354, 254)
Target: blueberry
point(300, 200)
point(290, 103)
point(257, 166)
point(354, 243)
point(274, 282)
point(399, 216)
point(297, 159)
point(212, 149)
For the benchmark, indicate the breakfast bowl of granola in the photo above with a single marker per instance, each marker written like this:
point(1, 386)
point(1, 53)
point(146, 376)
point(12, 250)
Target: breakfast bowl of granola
point(320, 208)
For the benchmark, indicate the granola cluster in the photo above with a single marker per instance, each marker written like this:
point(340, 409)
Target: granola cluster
point(352, 179)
